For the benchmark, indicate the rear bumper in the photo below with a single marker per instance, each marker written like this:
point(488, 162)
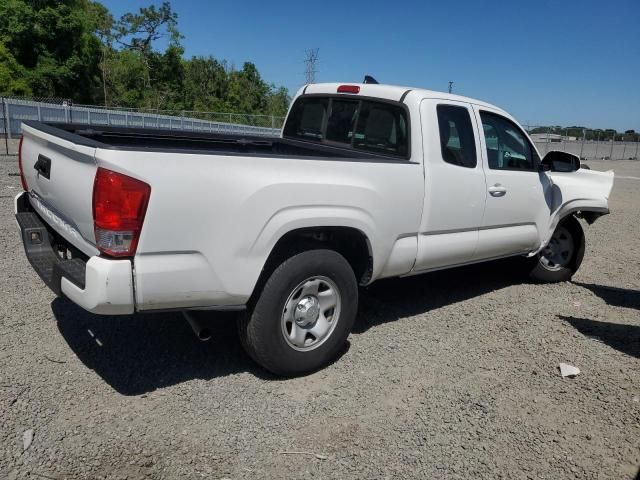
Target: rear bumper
point(97, 284)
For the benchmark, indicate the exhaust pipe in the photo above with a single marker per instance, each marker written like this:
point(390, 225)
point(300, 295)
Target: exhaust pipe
point(202, 332)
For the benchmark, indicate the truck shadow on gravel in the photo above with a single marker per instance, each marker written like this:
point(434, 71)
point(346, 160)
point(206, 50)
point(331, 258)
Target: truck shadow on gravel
point(617, 297)
point(136, 354)
point(624, 338)
point(388, 300)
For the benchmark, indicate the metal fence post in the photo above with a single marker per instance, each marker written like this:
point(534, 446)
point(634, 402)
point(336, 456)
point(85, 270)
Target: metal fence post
point(636, 154)
point(546, 146)
point(611, 151)
point(5, 121)
point(7, 116)
point(624, 148)
point(39, 114)
point(597, 143)
point(584, 134)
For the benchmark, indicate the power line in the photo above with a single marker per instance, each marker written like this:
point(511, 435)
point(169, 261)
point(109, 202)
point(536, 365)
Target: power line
point(311, 58)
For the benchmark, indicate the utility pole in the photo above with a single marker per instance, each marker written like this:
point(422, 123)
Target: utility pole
point(450, 86)
point(311, 58)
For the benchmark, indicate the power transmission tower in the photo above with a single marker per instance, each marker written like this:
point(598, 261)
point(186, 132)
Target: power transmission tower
point(310, 61)
point(450, 86)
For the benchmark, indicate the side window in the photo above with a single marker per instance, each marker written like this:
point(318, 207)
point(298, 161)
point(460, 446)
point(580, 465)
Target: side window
point(457, 142)
point(507, 147)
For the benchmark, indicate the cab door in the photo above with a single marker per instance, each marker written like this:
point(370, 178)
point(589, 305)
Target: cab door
point(518, 194)
point(454, 185)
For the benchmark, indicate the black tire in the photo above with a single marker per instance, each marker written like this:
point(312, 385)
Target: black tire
point(261, 330)
point(542, 271)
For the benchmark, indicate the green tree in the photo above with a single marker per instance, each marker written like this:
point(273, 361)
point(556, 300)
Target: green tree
point(139, 31)
point(13, 78)
point(205, 84)
point(75, 49)
point(278, 101)
point(168, 79)
point(247, 91)
point(54, 41)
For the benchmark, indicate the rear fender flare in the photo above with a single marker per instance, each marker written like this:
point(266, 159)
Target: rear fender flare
point(317, 216)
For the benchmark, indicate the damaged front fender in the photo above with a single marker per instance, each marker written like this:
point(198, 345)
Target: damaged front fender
point(584, 193)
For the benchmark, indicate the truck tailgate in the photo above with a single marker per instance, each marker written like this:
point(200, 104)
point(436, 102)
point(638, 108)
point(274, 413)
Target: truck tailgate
point(59, 175)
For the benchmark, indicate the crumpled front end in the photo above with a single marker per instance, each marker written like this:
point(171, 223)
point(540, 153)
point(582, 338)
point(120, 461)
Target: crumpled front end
point(584, 193)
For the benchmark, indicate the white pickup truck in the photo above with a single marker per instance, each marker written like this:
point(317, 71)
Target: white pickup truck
point(366, 181)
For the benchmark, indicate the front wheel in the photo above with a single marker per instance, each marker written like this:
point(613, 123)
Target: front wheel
point(560, 259)
point(303, 315)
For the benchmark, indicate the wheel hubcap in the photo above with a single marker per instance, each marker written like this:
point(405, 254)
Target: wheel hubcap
point(559, 251)
point(307, 311)
point(311, 313)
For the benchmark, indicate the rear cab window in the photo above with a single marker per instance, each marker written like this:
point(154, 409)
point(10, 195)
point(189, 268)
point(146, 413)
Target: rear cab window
point(369, 125)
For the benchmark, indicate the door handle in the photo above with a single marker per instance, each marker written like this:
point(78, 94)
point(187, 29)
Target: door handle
point(497, 190)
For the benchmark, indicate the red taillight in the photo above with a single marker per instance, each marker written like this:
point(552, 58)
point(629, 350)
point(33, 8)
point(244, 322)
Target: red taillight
point(119, 205)
point(22, 179)
point(348, 89)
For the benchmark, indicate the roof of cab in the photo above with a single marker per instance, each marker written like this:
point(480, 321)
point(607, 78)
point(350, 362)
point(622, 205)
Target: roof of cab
point(391, 92)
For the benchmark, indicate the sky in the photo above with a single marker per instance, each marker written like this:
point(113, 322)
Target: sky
point(571, 62)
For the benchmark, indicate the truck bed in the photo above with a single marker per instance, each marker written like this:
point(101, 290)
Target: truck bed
point(152, 139)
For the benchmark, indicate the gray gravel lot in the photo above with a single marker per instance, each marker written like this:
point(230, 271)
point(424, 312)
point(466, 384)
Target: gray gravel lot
point(448, 375)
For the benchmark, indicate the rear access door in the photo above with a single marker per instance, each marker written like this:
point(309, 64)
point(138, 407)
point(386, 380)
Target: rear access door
point(59, 170)
point(454, 185)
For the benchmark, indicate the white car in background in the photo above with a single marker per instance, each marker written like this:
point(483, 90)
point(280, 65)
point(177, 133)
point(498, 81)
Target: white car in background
point(366, 181)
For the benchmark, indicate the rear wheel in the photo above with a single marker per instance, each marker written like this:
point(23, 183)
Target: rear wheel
point(559, 260)
point(303, 315)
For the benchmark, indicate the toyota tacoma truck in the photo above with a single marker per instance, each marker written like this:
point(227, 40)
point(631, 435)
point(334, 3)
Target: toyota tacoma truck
point(365, 181)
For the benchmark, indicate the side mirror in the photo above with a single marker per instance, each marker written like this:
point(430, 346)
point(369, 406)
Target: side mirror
point(556, 161)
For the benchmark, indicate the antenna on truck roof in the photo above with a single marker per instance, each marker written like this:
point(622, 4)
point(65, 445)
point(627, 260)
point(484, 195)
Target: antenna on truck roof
point(369, 79)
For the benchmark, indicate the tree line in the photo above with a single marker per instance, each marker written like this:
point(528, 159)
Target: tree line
point(588, 133)
point(76, 49)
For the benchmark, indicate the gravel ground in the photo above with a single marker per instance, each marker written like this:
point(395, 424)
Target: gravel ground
point(448, 375)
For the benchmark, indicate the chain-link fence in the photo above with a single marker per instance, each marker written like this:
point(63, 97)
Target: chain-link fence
point(14, 111)
point(588, 144)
